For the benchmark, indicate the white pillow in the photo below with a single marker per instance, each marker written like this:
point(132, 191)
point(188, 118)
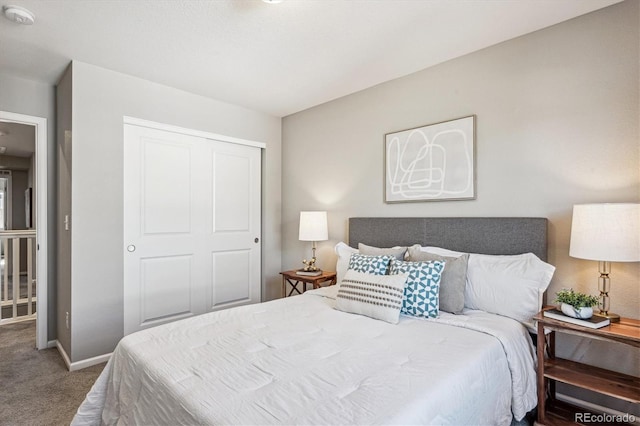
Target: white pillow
point(344, 253)
point(441, 251)
point(374, 296)
point(507, 285)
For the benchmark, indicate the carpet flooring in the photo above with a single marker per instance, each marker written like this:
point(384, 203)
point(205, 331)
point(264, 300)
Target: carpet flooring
point(35, 386)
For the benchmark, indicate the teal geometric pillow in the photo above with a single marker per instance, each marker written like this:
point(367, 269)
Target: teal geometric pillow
point(421, 294)
point(377, 265)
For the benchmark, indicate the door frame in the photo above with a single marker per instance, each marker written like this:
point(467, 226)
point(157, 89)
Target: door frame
point(190, 132)
point(42, 260)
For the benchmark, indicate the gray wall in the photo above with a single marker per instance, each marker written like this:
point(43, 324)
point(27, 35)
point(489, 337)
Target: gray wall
point(38, 99)
point(19, 183)
point(63, 242)
point(19, 180)
point(100, 99)
point(15, 163)
point(557, 124)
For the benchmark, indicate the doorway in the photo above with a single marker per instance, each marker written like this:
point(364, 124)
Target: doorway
point(33, 214)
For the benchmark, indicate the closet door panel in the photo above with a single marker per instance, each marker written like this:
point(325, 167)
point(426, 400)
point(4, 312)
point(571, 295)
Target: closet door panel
point(191, 226)
point(235, 237)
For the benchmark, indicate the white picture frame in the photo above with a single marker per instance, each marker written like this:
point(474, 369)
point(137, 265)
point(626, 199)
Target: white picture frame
point(436, 162)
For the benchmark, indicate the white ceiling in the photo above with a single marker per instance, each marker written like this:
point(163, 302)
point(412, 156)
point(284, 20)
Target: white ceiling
point(277, 58)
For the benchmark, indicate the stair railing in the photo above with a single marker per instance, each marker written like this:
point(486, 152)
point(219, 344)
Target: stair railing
point(15, 306)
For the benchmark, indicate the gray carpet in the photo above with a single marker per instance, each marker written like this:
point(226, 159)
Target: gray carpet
point(35, 386)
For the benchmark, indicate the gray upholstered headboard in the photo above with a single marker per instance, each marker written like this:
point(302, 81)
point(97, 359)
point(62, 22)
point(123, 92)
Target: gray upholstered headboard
point(487, 235)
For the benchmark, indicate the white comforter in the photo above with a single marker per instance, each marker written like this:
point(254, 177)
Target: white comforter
point(298, 361)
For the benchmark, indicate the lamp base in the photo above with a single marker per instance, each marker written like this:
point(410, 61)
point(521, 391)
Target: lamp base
point(309, 265)
point(611, 317)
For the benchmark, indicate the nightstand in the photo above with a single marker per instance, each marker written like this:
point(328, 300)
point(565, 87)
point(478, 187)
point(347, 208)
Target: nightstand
point(294, 279)
point(552, 369)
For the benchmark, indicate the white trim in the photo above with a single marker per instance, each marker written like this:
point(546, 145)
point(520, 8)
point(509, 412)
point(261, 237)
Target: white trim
point(64, 355)
point(42, 254)
point(12, 320)
point(51, 344)
point(85, 363)
point(90, 362)
point(593, 407)
point(183, 130)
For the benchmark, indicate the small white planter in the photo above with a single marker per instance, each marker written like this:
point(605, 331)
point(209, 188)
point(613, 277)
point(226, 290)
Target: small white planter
point(581, 313)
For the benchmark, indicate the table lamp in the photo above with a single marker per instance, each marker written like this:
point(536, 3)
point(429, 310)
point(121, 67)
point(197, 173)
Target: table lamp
point(313, 227)
point(606, 233)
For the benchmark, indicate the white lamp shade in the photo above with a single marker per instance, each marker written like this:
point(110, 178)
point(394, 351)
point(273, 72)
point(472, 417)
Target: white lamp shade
point(606, 232)
point(313, 226)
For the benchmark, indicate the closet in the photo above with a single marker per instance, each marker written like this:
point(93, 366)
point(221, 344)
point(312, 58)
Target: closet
point(191, 225)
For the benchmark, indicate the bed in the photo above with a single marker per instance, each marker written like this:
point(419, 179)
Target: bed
point(300, 360)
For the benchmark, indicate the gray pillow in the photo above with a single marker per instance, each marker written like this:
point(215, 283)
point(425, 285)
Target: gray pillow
point(397, 252)
point(453, 281)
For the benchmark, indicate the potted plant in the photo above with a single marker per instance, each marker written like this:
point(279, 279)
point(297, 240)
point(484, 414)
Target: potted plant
point(576, 304)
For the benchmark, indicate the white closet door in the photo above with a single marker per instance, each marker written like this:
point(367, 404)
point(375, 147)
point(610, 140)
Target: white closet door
point(235, 226)
point(191, 220)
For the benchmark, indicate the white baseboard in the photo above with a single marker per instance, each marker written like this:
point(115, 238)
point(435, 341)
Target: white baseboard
point(52, 344)
point(85, 363)
point(593, 407)
point(64, 355)
point(89, 362)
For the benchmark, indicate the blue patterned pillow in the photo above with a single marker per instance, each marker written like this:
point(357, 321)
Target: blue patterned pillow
point(377, 265)
point(421, 294)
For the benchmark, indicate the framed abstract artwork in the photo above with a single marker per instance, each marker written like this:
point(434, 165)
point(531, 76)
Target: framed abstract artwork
point(435, 162)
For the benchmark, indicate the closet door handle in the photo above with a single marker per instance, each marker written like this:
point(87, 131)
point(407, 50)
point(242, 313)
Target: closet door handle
point(131, 248)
